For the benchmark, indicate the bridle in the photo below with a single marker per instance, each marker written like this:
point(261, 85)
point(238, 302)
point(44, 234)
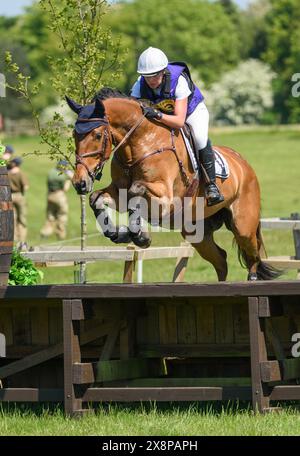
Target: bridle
point(96, 173)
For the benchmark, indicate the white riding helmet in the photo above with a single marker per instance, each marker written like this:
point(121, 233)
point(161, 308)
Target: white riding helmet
point(151, 61)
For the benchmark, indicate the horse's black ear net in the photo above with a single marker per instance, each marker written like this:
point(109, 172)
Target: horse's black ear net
point(73, 105)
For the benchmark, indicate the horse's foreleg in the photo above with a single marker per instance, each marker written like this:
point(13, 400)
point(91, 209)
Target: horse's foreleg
point(99, 201)
point(137, 210)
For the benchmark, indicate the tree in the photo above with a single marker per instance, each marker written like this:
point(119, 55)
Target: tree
point(283, 54)
point(196, 31)
point(87, 59)
point(243, 95)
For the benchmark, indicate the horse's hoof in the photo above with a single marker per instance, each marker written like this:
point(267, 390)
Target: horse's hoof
point(252, 277)
point(141, 239)
point(122, 236)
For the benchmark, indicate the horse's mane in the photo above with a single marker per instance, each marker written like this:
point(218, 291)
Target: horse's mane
point(109, 92)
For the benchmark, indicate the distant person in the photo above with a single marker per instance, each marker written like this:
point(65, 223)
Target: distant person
point(19, 186)
point(9, 151)
point(58, 182)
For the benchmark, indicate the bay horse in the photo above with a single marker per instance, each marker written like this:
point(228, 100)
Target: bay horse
point(150, 160)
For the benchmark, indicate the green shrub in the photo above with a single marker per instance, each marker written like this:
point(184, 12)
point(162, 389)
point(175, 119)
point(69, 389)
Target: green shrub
point(23, 271)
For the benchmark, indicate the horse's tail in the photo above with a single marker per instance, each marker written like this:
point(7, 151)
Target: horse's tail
point(264, 271)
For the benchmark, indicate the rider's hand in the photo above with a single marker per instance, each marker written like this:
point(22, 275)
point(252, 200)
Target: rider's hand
point(152, 113)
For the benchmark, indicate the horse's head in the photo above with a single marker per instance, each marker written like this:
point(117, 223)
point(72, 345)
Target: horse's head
point(93, 144)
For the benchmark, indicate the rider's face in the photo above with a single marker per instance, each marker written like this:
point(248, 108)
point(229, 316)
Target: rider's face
point(154, 81)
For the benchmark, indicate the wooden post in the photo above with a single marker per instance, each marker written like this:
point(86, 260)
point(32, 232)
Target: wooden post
point(296, 234)
point(82, 264)
point(72, 354)
point(129, 267)
point(258, 350)
point(181, 265)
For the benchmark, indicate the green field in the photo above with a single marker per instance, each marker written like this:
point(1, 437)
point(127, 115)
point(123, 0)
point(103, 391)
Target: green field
point(273, 153)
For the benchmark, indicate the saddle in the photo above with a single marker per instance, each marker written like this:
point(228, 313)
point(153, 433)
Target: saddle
point(221, 165)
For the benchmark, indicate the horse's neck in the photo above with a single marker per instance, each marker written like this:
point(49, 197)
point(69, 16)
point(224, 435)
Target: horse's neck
point(123, 115)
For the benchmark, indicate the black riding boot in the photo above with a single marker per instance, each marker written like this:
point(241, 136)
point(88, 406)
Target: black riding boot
point(206, 156)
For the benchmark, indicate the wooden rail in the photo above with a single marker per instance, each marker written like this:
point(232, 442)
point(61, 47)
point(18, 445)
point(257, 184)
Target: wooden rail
point(292, 224)
point(131, 255)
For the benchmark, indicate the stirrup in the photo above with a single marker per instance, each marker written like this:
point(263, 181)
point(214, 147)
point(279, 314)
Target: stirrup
point(216, 197)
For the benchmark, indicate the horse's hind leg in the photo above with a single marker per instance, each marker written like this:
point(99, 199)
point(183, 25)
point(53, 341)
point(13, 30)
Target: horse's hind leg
point(211, 252)
point(244, 225)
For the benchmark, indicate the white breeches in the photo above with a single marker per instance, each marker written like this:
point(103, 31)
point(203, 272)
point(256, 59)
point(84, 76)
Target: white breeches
point(199, 120)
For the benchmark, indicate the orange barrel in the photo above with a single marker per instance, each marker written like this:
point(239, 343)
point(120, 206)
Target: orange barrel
point(6, 226)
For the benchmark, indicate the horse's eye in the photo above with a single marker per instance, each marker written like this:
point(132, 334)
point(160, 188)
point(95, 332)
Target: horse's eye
point(98, 136)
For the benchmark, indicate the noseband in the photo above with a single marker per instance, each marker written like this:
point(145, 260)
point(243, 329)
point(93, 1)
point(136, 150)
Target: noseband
point(97, 171)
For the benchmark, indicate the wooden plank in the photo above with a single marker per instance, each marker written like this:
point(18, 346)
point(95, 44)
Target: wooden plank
point(128, 332)
point(110, 341)
point(55, 325)
point(21, 326)
point(193, 350)
point(296, 236)
point(71, 330)
point(205, 322)
point(83, 373)
point(278, 224)
point(153, 253)
point(153, 394)
point(185, 382)
point(31, 395)
point(268, 307)
point(6, 324)
point(127, 369)
point(260, 393)
point(275, 371)
point(155, 290)
point(186, 315)
point(152, 323)
point(129, 266)
point(224, 324)
point(274, 339)
point(31, 360)
point(283, 262)
point(79, 255)
point(39, 325)
point(166, 394)
point(167, 323)
point(284, 393)
point(180, 269)
point(240, 323)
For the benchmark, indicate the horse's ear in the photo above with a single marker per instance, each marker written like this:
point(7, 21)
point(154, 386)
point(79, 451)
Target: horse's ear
point(73, 105)
point(99, 109)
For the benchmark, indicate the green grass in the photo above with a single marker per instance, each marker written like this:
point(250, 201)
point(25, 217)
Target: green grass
point(151, 420)
point(274, 154)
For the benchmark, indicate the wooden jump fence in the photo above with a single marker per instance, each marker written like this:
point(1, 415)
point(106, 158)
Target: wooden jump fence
point(82, 344)
point(132, 256)
point(292, 224)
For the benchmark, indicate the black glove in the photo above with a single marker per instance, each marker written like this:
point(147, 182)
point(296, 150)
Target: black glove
point(151, 113)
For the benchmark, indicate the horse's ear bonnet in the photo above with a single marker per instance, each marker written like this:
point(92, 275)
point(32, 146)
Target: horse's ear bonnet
point(89, 117)
point(73, 105)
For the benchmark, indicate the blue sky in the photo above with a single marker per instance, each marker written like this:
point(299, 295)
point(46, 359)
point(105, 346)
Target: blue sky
point(14, 7)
